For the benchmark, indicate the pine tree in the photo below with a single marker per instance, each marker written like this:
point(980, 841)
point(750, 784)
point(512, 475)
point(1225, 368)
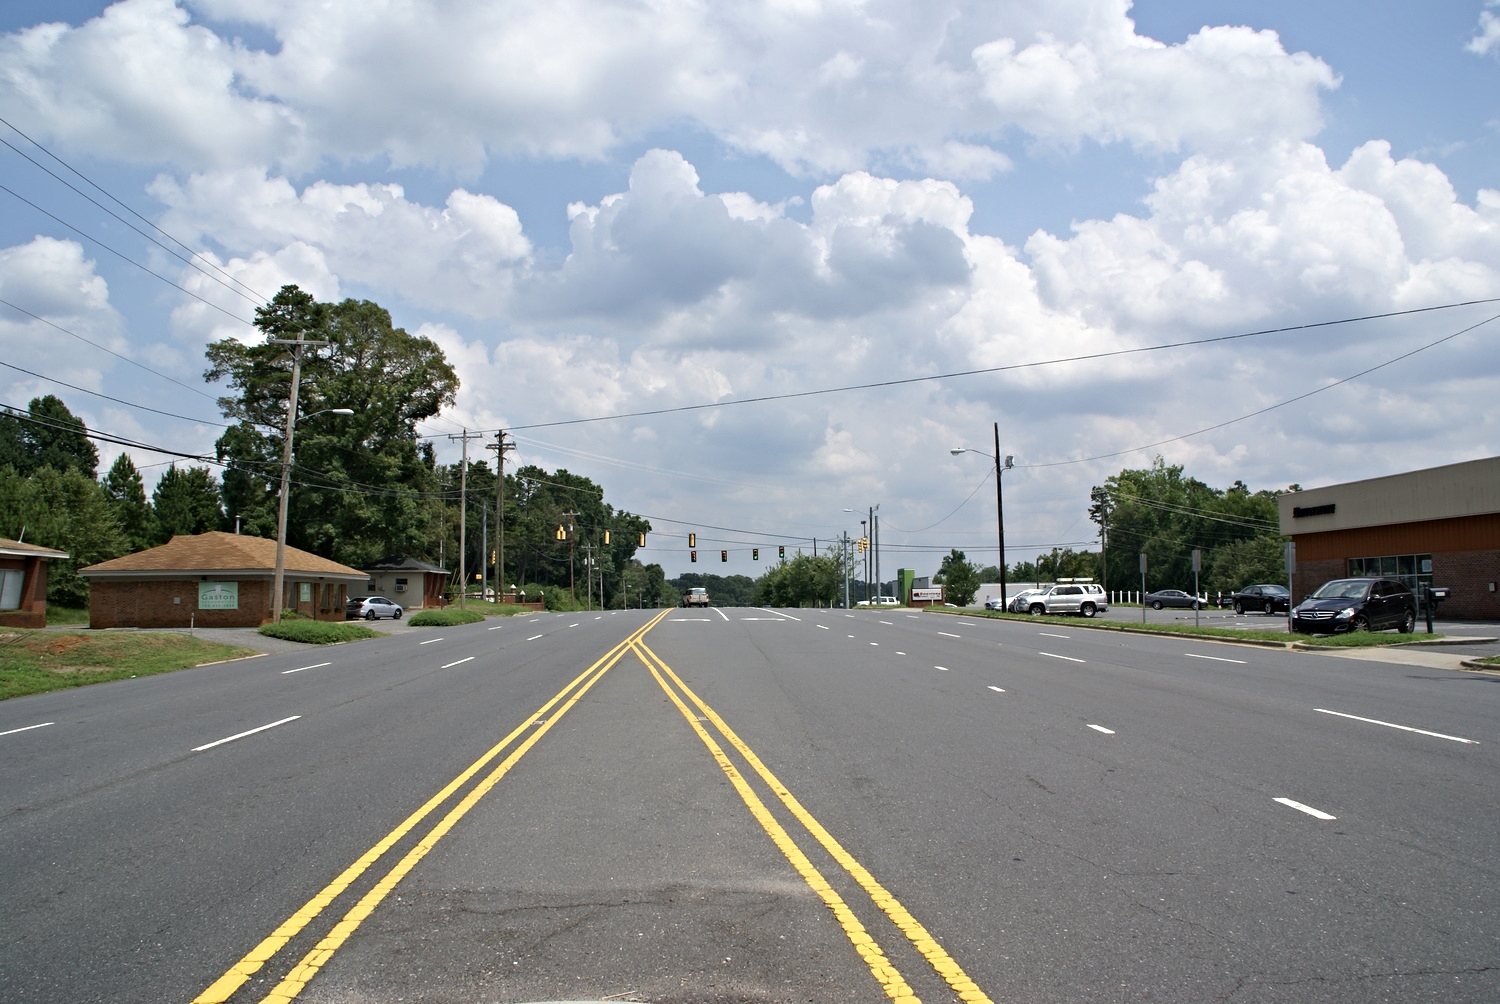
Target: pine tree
point(127, 494)
point(186, 502)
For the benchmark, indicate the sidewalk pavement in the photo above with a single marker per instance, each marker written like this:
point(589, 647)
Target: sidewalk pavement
point(1427, 659)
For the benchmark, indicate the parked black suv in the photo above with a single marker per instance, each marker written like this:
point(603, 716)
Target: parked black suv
point(1357, 605)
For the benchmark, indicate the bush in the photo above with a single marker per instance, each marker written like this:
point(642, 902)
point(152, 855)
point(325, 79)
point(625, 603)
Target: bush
point(445, 618)
point(318, 632)
point(559, 599)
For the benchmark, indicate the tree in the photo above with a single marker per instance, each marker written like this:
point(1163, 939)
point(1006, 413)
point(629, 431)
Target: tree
point(362, 486)
point(958, 577)
point(186, 502)
point(537, 502)
point(804, 581)
point(47, 435)
point(68, 511)
point(1167, 515)
point(127, 495)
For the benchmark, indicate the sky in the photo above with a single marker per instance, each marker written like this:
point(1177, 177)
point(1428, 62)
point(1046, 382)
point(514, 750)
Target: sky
point(605, 208)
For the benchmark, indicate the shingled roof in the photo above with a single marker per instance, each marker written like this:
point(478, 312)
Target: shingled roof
point(216, 552)
point(15, 549)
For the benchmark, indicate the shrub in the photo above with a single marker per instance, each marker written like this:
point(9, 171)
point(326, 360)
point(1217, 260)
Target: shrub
point(559, 599)
point(318, 632)
point(445, 618)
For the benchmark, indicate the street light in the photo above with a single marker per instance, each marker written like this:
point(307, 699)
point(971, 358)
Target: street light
point(1000, 469)
point(286, 476)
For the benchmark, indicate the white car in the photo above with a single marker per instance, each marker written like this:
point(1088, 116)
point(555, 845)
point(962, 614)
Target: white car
point(371, 608)
point(1021, 602)
point(1086, 598)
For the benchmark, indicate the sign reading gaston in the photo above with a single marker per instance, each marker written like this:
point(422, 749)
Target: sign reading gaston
point(218, 596)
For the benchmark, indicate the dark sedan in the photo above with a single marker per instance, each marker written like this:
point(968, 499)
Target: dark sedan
point(1357, 605)
point(1172, 598)
point(1267, 597)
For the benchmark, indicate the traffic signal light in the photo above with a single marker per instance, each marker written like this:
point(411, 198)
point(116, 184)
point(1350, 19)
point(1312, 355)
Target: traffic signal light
point(692, 540)
point(640, 540)
point(694, 555)
point(606, 536)
point(723, 555)
point(755, 554)
point(781, 552)
point(562, 533)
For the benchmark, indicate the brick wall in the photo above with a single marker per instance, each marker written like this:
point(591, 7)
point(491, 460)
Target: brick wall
point(32, 613)
point(1467, 574)
point(172, 603)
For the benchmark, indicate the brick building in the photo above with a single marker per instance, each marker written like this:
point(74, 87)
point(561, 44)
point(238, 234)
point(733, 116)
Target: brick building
point(1438, 527)
point(411, 582)
point(23, 583)
point(214, 580)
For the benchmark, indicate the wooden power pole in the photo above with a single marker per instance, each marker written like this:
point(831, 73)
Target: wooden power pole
point(463, 523)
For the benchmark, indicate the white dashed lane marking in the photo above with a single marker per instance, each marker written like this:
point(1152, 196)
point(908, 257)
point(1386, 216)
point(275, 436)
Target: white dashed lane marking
point(945, 634)
point(27, 728)
point(1403, 728)
point(1053, 655)
point(535, 637)
point(1315, 813)
point(429, 641)
point(241, 735)
point(996, 689)
point(459, 662)
point(943, 668)
point(822, 627)
point(1101, 728)
point(286, 672)
point(1046, 634)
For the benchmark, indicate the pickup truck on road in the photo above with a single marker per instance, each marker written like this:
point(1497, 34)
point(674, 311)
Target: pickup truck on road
point(695, 597)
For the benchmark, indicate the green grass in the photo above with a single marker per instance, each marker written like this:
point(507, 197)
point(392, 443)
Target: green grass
point(1489, 660)
point(34, 662)
point(450, 617)
point(318, 632)
point(61, 615)
point(1367, 639)
point(490, 609)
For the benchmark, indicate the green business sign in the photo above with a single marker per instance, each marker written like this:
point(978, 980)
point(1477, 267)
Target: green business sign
point(218, 596)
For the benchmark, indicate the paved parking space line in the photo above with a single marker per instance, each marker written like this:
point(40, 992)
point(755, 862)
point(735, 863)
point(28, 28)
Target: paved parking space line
point(1317, 813)
point(241, 735)
point(26, 728)
point(429, 641)
point(458, 663)
point(1101, 728)
point(285, 672)
point(945, 634)
point(1403, 728)
point(1053, 655)
point(1215, 658)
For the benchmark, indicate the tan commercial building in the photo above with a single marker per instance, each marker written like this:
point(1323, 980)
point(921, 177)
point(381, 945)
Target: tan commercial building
point(214, 580)
point(1437, 527)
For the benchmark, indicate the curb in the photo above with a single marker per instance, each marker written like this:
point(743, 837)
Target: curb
point(1482, 667)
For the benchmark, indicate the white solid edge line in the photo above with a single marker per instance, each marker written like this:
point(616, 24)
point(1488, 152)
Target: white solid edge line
point(1215, 658)
point(458, 663)
point(535, 637)
point(1404, 728)
point(230, 739)
point(720, 612)
point(945, 634)
point(1054, 655)
point(26, 728)
point(316, 665)
point(1305, 808)
point(429, 641)
point(943, 668)
point(1101, 728)
point(996, 689)
point(823, 627)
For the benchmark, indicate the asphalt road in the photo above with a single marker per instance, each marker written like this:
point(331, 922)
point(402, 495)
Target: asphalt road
point(748, 805)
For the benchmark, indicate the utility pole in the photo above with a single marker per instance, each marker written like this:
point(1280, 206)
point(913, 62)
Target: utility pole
point(588, 571)
point(484, 547)
point(500, 446)
point(879, 587)
point(463, 517)
point(298, 344)
point(572, 575)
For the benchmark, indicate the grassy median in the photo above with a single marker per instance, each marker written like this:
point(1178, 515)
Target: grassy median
point(1362, 639)
point(34, 662)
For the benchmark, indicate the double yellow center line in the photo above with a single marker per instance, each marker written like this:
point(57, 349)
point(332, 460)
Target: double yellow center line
point(890, 979)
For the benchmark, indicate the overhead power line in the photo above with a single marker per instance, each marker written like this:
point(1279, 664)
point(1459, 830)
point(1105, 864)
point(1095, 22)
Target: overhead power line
point(1011, 367)
point(259, 298)
point(106, 397)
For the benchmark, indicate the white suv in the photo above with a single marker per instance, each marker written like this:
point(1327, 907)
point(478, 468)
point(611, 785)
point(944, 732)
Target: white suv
point(1086, 598)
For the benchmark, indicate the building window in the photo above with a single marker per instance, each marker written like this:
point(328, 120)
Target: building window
point(1413, 569)
point(11, 580)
